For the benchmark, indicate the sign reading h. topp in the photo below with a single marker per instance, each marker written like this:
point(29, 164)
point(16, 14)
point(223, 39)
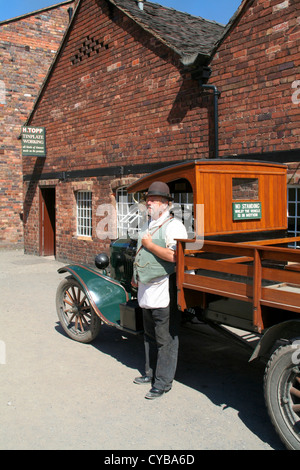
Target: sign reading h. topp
point(33, 141)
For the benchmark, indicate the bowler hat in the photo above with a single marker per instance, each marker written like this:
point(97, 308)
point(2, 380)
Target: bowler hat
point(158, 188)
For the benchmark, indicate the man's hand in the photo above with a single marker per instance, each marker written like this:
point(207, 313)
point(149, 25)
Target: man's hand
point(164, 253)
point(147, 241)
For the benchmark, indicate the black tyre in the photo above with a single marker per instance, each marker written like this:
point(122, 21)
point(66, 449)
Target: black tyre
point(75, 313)
point(282, 394)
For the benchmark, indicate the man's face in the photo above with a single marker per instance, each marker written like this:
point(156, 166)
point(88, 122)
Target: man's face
point(156, 205)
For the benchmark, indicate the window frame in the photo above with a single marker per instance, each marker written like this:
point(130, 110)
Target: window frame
point(295, 216)
point(125, 216)
point(84, 214)
point(182, 209)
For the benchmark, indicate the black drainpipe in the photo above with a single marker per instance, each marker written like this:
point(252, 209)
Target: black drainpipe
point(217, 93)
point(202, 74)
point(70, 12)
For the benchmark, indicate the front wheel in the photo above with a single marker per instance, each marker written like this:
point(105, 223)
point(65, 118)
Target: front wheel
point(282, 394)
point(75, 313)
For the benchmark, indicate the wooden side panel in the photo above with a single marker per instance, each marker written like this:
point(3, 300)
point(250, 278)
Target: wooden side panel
point(214, 190)
point(212, 181)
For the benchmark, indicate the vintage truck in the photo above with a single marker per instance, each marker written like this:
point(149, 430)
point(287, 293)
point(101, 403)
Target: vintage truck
point(238, 270)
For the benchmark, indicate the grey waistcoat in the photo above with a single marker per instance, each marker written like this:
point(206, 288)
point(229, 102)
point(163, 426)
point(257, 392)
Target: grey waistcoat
point(146, 265)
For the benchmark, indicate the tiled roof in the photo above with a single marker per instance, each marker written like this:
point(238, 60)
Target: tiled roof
point(189, 36)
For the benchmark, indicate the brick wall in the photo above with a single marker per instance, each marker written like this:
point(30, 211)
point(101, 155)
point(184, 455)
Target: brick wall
point(118, 97)
point(123, 101)
point(27, 47)
point(257, 69)
point(69, 245)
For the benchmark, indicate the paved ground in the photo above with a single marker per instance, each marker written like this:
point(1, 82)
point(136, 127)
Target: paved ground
point(56, 393)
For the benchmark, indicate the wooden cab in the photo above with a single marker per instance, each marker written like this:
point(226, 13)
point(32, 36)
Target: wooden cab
point(236, 196)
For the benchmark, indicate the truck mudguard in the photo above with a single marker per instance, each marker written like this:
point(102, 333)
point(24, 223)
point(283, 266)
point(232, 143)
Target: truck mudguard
point(105, 294)
point(287, 330)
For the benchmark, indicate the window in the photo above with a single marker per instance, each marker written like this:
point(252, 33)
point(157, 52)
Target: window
point(129, 214)
point(294, 213)
point(183, 208)
point(244, 189)
point(84, 213)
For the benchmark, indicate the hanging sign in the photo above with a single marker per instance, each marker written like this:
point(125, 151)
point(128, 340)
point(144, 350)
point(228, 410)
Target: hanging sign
point(33, 141)
point(246, 210)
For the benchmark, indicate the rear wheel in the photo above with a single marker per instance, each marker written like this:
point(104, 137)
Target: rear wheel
point(282, 394)
point(75, 313)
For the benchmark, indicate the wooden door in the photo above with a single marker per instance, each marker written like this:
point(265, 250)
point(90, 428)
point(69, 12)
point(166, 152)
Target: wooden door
point(47, 221)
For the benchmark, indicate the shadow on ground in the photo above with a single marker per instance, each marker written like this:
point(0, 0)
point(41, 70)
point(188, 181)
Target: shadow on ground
point(209, 363)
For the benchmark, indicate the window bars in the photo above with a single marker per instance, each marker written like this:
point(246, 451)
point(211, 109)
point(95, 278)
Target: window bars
point(294, 213)
point(129, 218)
point(84, 213)
point(131, 215)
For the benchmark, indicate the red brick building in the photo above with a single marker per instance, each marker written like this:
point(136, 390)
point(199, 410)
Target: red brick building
point(28, 45)
point(257, 67)
point(128, 93)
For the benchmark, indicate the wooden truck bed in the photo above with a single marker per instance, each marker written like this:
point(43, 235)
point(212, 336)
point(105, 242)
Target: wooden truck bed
point(243, 200)
point(258, 275)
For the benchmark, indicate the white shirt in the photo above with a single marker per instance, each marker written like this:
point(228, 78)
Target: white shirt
point(155, 294)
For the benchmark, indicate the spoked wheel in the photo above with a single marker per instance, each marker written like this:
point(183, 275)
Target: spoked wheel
point(75, 312)
point(282, 395)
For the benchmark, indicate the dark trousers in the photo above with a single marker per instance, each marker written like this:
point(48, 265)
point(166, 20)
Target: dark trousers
point(161, 341)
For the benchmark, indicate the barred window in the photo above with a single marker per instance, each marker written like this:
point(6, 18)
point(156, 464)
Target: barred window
point(294, 213)
point(129, 217)
point(183, 209)
point(84, 213)
point(131, 214)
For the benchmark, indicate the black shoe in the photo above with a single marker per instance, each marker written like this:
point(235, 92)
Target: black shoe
point(155, 393)
point(145, 379)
